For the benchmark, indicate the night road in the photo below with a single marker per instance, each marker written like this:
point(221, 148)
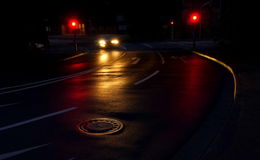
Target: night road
point(159, 98)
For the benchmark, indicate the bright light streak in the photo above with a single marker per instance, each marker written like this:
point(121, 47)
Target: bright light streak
point(115, 41)
point(102, 43)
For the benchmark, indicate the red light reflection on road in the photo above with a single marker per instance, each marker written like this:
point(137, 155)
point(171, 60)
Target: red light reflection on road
point(77, 66)
point(197, 87)
point(77, 88)
point(78, 95)
point(200, 88)
point(80, 79)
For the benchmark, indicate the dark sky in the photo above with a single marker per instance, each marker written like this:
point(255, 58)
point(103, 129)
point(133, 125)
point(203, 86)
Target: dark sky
point(143, 14)
point(97, 7)
point(26, 12)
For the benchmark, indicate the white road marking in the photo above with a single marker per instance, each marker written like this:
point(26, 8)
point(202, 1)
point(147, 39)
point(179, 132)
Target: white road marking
point(173, 57)
point(181, 58)
point(147, 45)
point(123, 47)
point(6, 105)
point(50, 82)
point(37, 119)
point(162, 59)
point(146, 78)
point(22, 87)
point(72, 158)
point(46, 81)
point(15, 153)
point(135, 60)
point(77, 55)
point(150, 46)
point(28, 84)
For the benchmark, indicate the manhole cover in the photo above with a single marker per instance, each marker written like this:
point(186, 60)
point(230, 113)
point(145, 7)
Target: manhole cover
point(100, 126)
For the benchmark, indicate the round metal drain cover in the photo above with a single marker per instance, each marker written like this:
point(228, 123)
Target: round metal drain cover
point(100, 126)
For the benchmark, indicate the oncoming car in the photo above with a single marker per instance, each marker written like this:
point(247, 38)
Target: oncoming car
point(108, 42)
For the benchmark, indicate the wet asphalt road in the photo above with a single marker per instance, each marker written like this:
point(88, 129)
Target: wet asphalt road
point(160, 97)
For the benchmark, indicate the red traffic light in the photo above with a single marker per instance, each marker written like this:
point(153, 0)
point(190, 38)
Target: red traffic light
point(172, 22)
point(74, 24)
point(194, 17)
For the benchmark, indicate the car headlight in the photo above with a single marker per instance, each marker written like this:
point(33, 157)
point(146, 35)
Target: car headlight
point(114, 41)
point(102, 43)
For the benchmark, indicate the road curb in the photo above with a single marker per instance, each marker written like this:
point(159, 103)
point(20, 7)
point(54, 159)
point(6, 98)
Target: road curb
point(200, 144)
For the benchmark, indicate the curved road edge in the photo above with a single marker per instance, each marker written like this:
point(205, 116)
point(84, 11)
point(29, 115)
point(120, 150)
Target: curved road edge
point(202, 145)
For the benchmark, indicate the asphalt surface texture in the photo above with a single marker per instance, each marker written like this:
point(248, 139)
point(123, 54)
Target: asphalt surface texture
point(161, 96)
point(239, 138)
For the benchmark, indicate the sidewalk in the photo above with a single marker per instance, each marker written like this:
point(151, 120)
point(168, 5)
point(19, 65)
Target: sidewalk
point(240, 137)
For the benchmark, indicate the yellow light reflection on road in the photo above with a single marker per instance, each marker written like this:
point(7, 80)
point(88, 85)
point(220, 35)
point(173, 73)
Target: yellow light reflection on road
point(111, 80)
point(115, 54)
point(103, 57)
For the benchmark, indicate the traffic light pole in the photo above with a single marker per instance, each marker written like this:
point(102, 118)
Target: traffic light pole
point(75, 41)
point(172, 32)
point(194, 39)
point(193, 21)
